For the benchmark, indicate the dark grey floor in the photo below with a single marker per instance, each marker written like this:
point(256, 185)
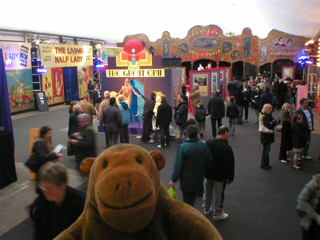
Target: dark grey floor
point(261, 203)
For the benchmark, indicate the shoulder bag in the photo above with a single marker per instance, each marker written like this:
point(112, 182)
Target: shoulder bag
point(263, 128)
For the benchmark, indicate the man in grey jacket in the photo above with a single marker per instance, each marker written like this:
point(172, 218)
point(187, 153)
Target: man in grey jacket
point(308, 199)
point(112, 119)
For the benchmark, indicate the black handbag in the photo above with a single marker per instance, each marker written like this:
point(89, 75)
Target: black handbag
point(33, 163)
point(70, 149)
point(300, 211)
point(178, 120)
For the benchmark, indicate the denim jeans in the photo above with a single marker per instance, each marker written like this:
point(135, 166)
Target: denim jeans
point(265, 155)
point(305, 151)
point(114, 138)
point(232, 126)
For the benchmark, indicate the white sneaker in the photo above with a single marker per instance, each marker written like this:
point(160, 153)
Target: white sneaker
point(307, 157)
point(140, 136)
point(207, 212)
point(220, 216)
point(151, 141)
point(159, 146)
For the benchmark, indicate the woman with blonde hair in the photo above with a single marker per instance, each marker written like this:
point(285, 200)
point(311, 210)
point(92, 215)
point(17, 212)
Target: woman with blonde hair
point(285, 107)
point(266, 128)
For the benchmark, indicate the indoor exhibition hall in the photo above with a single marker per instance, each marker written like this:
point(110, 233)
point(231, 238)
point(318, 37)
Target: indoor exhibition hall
point(141, 121)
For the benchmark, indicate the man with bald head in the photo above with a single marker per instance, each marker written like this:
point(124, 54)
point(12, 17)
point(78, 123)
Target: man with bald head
point(104, 103)
point(84, 140)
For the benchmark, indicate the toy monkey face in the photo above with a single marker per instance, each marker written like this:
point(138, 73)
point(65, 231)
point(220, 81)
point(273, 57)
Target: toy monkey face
point(127, 183)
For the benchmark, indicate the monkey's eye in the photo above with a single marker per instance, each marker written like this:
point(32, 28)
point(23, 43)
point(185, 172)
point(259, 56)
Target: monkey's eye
point(138, 160)
point(105, 164)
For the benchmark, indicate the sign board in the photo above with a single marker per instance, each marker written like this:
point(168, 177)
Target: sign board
point(42, 101)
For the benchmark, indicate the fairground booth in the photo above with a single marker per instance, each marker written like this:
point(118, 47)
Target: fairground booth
point(136, 73)
point(235, 56)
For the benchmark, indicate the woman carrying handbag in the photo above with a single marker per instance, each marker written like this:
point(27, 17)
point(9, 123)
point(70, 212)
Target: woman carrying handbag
point(266, 129)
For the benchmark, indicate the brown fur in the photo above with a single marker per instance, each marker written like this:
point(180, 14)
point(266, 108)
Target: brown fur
point(126, 200)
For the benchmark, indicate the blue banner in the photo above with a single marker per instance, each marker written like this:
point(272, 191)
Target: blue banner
point(5, 112)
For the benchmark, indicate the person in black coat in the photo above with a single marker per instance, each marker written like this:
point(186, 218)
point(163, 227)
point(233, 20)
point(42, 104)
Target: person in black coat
point(59, 206)
point(43, 150)
point(233, 115)
point(96, 96)
point(282, 89)
point(163, 121)
point(73, 126)
point(73, 123)
point(232, 87)
point(265, 97)
point(240, 103)
point(181, 113)
point(267, 138)
point(246, 91)
point(307, 124)
point(299, 139)
point(216, 109)
point(255, 98)
point(84, 140)
point(147, 118)
point(220, 173)
point(286, 135)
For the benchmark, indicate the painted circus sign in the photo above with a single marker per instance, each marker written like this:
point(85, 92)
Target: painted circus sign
point(61, 55)
point(17, 58)
point(16, 55)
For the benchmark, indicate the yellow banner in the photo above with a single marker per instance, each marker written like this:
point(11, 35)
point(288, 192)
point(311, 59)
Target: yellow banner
point(136, 73)
point(61, 55)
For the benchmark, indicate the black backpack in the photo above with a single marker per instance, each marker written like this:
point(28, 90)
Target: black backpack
point(200, 115)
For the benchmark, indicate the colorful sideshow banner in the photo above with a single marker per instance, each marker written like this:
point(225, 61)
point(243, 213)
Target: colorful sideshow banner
point(17, 59)
point(20, 89)
point(61, 55)
point(57, 85)
point(47, 86)
point(85, 74)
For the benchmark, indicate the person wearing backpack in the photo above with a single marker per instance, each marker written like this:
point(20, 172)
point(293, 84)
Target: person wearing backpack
point(200, 116)
point(233, 115)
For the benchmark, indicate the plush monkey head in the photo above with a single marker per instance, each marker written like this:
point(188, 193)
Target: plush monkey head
point(124, 186)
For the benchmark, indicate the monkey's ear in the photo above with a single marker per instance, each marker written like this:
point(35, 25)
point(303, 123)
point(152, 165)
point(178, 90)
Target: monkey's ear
point(86, 165)
point(158, 158)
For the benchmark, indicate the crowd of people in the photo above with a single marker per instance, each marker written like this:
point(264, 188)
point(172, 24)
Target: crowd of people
point(202, 167)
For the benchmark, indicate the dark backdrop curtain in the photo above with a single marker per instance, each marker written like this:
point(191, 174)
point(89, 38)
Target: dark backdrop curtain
point(70, 76)
point(7, 166)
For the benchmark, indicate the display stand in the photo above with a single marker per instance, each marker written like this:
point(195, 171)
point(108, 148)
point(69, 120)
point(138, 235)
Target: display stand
point(312, 85)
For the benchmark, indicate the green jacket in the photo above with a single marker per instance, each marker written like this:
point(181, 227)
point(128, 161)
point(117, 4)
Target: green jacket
point(192, 159)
